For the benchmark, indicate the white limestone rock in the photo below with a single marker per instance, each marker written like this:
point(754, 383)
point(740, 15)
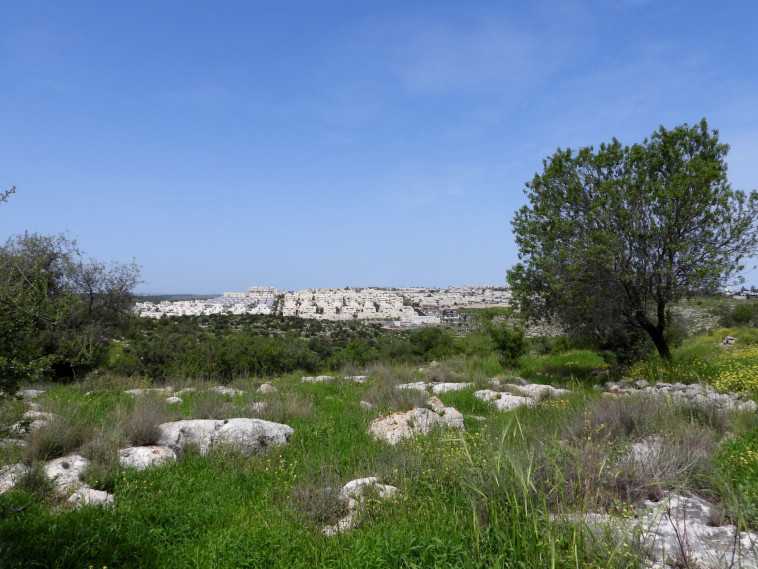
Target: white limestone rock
point(267, 388)
point(366, 406)
point(418, 386)
point(418, 421)
point(503, 401)
point(10, 475)
point(448, 387)
point(66, 472)
point(353, 494)
point(32, 420)
point(145, 457)
point(223, 390)
point(174, 400)
point(86, 496)
point(243, 434)
point(539, 391)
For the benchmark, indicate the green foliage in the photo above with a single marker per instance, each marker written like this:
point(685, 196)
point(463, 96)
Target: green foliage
point(738, 462)
point(612, 237)
point(59, 309)
point(510, 343)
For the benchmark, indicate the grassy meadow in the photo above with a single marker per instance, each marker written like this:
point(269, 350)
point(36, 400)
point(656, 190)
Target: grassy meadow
point(491, 496)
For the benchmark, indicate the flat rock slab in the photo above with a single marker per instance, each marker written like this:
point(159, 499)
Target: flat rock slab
point(538, 391)
point(66, 472)
point(503, 401)
point(418, 421)
point(10, 475)
point(173, 400)
point(247, 435)
point(438, 388)
point(145, 457)
point(33, 420)
point(86, 496)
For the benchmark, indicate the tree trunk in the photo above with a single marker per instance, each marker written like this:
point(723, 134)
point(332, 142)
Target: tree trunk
point(655, 332)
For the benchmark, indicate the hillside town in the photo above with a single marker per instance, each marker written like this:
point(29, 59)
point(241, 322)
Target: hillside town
point(406, 306)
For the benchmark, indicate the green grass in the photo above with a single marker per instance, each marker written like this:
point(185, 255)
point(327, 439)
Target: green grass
point(496, 489)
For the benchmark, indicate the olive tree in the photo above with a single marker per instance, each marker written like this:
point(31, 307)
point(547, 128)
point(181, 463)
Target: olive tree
point(611, 237)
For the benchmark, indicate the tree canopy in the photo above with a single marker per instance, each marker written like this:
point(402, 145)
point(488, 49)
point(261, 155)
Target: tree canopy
point(611, 237)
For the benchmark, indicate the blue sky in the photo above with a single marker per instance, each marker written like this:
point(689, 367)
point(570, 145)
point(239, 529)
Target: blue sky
point(317, 144)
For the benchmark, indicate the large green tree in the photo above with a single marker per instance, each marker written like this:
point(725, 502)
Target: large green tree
point(58, 308)
point(611, 237)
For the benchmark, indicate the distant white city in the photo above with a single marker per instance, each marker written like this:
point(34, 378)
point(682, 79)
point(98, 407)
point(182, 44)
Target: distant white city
point(406, 306)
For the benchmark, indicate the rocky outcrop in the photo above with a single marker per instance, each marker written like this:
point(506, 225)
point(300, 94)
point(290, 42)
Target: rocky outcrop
point(436, 388)
point(30, 393)
point(31, 421)
point(418, 421)
point(246, 435)
point(145, 457)
point(353, 494)
point(267, 388)
point(681, 528)
point(694, 393)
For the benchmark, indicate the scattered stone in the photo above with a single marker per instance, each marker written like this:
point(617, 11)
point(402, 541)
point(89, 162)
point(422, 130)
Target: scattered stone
point(418, 386)
point(145, 457)
point(32, 420)
point(434, 363)
point(695, 393)
point(7, 443)
point(30, 393)
point(10, 475)
point(417, 421)
point(65, 472)
point(267, 388)
point(246, 435)
point(149, 390)
point(317, 379)
point(353, 494)
point(226, 390)
point(448, 387)
point(519, 381)
point(185, 390)
point(366, 406)
point(86, 496)
point(503, 401)
point(729, 341)
point(174, 399)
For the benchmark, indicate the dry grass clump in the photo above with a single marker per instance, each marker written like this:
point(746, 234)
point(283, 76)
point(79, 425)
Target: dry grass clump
point(391, 375)
point(283, 407)
point(62, 435)
point(619, 418)
point(441, 373)
point(388, 398)
point(142, 425)
point(319, 501)
point(210, 405)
